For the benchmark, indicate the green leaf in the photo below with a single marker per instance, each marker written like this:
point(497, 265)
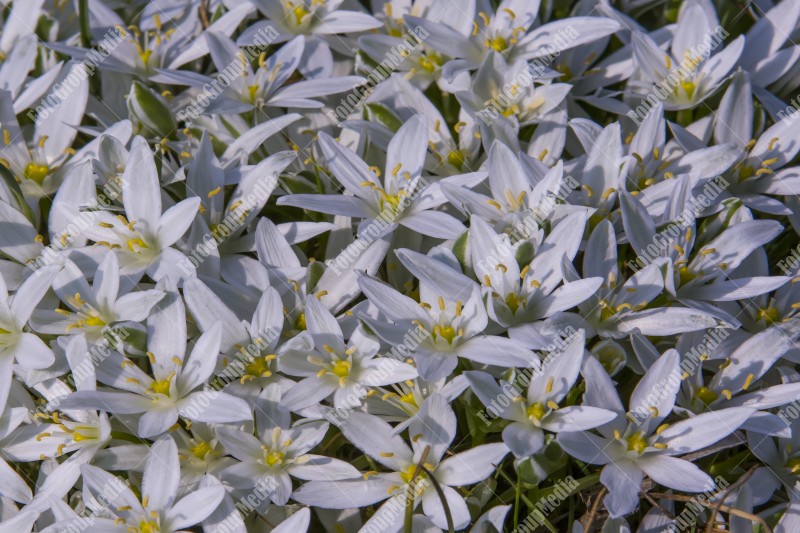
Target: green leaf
point(525, 253)
point(460, 250)
point(16, 192)
point(150, 112)
point(315, 271)
point(382, 115)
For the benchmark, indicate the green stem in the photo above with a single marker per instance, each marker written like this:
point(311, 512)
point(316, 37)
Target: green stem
point(409, 516)
point(448, 516)
point(121, 435)
point(516, 502)
point(83, 16)
point(684, 117)
point(583, 484)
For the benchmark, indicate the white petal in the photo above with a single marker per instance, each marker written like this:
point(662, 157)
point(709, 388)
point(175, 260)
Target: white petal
point(376, 438)
point(214, 407)
point(675, 473)
point(162, 474)
point(142, 195)
point(344, 494)
point(12, 485)
point(176, 221)
point(704, 429)
point(577, 418)
point(319, 468)
point(201, 362)
point(623, 481)
point(432, 505)
point(195, 507)
point(471, 466)
point(585, 446)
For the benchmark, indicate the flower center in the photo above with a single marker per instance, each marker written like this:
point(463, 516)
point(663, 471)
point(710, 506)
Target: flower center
point(535, 411)
point(706, 395)
point(341, 368)
point(273, 458)
point(793, 464)
point(82, 433)
point(409, 399)
point(300, 323)
point(686, 275)
point(746, 171)
point(769, 314)
point(161, 386)
point(498, 44)
point(136, 245)
point(252, 90)
point(637, 443)
point(408, 473)
point(456, 158)
point(688, 88)
point(513, 302)
point(259, 366)
point(36, 172)
point(148, 527)
point(448, 333)
point(201, 450)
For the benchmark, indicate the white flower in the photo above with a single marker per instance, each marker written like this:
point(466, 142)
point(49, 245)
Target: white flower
point(433, 431)
point(158, 508)
point(279, 453)
point(404, 197)
point(635, 444)
point(450, 317)
point(143, 237)
point(161, 400)
point(539, 410)
point(329, 365)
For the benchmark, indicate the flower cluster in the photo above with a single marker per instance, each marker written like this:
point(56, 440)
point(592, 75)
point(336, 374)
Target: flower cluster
point(399, 265)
